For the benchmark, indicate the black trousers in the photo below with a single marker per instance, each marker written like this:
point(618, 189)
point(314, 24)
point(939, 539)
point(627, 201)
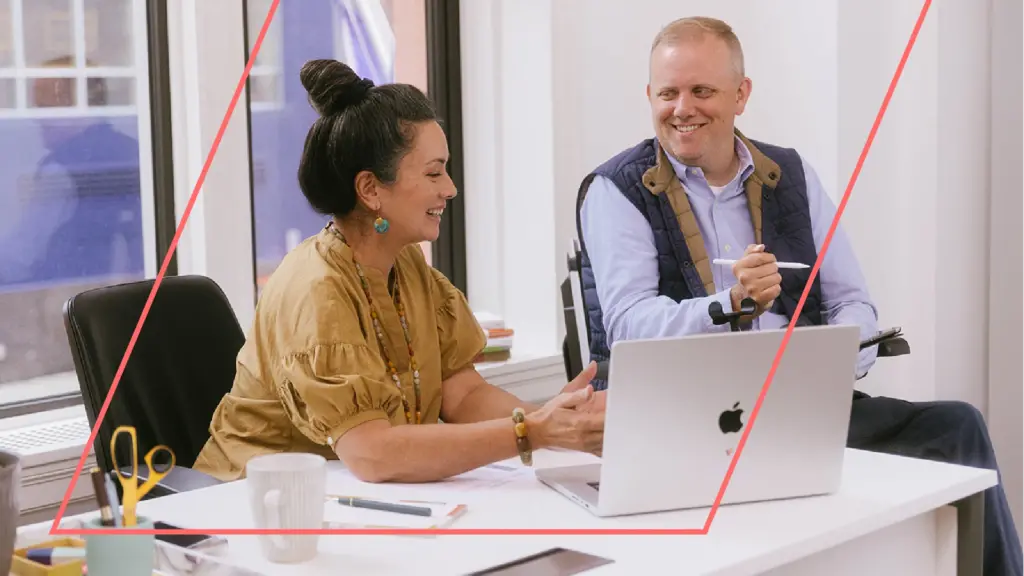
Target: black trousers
point(952, 432)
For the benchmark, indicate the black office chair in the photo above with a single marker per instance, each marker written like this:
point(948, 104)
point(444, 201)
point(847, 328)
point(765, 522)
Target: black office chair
point(182, 364)
point(575, 345)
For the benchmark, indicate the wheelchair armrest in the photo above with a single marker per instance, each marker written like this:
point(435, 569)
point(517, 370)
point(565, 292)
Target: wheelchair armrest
point(893, 347)
point(181, 479)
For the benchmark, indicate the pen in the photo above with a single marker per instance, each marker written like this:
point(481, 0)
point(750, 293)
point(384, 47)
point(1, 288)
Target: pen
point(384, 506)
point(99, 486)
point(783, 265)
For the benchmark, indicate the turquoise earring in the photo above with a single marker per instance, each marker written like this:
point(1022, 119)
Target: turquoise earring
point(380, 225)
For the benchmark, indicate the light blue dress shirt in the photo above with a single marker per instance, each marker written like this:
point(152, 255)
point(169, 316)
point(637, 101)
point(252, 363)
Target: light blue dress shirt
point(620, 244)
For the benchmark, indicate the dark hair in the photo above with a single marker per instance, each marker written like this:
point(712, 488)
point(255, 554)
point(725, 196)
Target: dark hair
point(361, 127)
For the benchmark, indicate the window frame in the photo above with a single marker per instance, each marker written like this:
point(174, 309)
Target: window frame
point(444, 81)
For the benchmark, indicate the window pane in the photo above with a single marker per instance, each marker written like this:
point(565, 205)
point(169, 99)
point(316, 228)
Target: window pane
point(7, 96)
point(108, 33)
point(383, 41)
point(50, 92)
point(6, 35)
point(270, 50)
point(111, 91)
point(70, 202)
point(48, 31)
point(263, 88)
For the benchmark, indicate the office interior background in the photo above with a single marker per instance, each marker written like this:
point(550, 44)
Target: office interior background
point(108, 109)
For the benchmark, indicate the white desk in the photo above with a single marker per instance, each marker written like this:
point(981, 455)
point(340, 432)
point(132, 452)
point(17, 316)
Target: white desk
point(890, 517)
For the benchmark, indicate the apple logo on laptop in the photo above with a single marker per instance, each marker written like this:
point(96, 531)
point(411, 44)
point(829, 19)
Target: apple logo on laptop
point(730, 421)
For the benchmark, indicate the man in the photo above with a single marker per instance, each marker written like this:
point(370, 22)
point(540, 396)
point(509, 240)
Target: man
point(653, 217)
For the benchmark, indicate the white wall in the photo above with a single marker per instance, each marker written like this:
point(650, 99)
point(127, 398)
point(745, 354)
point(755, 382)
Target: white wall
point(207, 57)
point(1005, 254)
point(569, 77)
point(928, 165)
point(509, 192)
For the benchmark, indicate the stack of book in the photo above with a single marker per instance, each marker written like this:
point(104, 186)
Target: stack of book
point(499, 338)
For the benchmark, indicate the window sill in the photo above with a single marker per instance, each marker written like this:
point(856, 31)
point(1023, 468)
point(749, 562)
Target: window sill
point(533, 377)
point(37, 389)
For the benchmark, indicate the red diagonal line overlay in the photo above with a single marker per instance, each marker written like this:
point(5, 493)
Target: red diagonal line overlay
point(167, 260)
point(536, 531)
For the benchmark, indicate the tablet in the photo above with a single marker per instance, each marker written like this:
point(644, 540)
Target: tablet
point(552, 562)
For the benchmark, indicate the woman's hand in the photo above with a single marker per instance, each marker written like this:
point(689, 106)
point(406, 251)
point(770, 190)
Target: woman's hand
point(560, 424)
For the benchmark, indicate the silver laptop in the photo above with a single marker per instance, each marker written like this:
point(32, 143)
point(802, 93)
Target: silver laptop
point(677, 408)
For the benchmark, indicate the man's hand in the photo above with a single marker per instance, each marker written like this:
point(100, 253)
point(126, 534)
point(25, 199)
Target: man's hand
point(759, 279)
point(596, 403)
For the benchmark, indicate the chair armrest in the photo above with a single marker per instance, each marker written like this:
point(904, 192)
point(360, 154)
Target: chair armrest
point(181, 479)
point(893, 347)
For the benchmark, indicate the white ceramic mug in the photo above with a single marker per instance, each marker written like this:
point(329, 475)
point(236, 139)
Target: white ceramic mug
point(286, 492)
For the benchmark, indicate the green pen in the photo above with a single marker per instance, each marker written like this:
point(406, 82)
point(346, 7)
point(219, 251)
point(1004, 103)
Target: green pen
point(384, 506)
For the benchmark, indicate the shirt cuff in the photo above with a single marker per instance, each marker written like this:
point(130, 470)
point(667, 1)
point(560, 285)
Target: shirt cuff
point(351, 422)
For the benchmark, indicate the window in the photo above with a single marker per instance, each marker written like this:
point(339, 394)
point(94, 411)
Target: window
point(83, 205)
point(75, 208)
point(383, 40)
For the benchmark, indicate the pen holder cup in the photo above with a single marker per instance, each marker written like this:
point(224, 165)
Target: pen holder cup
point(22, 566)
point(120, 555)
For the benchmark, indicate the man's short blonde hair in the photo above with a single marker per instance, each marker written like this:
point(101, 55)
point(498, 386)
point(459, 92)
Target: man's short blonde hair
point(695, 27)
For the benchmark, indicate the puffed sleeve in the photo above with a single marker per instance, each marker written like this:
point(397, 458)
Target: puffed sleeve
point(459, 334)
point(330, 389)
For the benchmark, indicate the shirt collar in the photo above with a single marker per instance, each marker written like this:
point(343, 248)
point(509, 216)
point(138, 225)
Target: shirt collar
point(691, 176)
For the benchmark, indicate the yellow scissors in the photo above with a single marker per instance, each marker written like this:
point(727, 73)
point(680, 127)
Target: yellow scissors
point(132, 490)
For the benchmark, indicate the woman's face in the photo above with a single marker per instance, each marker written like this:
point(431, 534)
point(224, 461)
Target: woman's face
point(413, 205)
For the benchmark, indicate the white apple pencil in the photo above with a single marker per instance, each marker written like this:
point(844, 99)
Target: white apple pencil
point(784, 265)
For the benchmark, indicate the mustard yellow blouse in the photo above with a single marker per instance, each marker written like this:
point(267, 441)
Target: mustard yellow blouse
point(311, 367)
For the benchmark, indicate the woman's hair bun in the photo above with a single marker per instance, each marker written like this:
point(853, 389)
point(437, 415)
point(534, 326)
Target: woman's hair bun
point(333, 86)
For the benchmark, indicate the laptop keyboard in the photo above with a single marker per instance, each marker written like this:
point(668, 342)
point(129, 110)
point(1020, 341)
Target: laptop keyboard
point(594, 485)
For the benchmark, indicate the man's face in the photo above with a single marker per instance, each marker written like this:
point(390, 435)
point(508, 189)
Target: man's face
point(695, 94)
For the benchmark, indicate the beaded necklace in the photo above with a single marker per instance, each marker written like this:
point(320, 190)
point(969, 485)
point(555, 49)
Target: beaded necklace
point(380, 337)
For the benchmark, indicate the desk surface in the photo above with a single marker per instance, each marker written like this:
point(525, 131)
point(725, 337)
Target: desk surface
point(877, 491)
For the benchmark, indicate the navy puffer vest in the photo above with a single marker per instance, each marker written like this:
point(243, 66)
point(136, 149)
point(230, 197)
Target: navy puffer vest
point(786, 232)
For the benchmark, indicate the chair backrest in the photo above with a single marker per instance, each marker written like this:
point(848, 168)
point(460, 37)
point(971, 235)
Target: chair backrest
point(579, 303)
point(571, 344)
point(182, 364)
point(577, 323)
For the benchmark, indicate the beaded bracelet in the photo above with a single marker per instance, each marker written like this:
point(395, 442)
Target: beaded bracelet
point(522, 440)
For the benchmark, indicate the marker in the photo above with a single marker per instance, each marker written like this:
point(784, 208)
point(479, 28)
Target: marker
point(783, 265)
point(384, 506)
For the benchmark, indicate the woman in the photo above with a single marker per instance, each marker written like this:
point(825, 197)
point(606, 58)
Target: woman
point(358, 347)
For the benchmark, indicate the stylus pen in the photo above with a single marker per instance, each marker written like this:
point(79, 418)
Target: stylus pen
point(785, 265)
point(385, 506)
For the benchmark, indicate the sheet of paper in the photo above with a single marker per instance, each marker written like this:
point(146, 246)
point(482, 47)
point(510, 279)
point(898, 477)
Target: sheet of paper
point(489, 477)
point(464, 488)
